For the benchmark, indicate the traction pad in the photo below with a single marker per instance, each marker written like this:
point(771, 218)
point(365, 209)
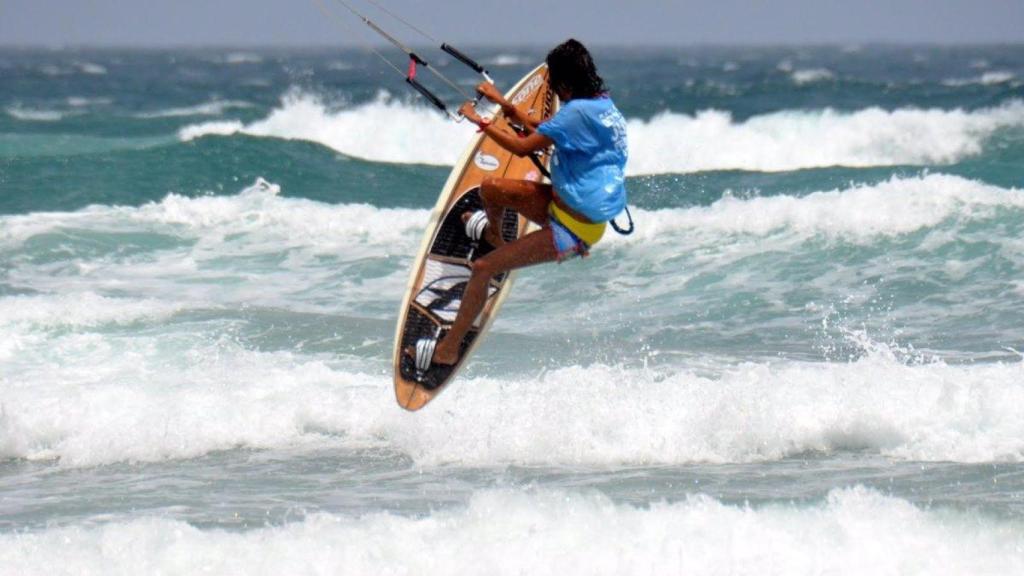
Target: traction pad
point(444, 282)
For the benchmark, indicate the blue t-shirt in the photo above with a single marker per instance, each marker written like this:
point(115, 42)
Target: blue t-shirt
point(588, 168)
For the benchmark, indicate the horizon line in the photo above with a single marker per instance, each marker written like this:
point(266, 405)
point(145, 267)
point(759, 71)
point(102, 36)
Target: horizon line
point(520, 45)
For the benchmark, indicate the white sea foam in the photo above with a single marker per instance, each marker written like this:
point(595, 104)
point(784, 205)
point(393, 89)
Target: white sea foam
point(91, 68)
point(82, 102)
point(811, 75)
point(986, 79)
point(34, 115)
point(26, 320)
point(78, 310)
point(895, 206)
point(257, 209)
point(751, 412)
point(792, 140)
point(87, 398)
point(91, 398)
point(391, 131)
point(385, 129)
point(860, 213)
point(507, 60)
point(216, 128)
point(854, 532)
point(215, 247)
point(211, 108)
point(218, 246)
point(997, 77)
point(236, 58)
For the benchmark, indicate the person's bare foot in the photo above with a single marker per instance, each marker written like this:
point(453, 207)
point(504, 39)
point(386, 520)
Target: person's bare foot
point(491, 236)
point(444, 354)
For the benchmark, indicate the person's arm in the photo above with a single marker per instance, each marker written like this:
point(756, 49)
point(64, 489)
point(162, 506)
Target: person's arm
point(512, 143)
point(511, 111)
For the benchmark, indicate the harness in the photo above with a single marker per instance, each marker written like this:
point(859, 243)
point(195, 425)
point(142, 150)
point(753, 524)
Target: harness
point(535, 157)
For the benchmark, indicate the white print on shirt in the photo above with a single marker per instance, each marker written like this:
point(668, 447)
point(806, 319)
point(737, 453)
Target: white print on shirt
point(613, 119)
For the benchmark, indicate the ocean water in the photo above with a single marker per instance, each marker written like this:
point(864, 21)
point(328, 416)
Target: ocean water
point(809, 358)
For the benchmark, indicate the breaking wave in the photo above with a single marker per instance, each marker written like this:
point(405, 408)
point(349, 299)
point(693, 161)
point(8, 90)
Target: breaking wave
point(854, 531)
point(389, 130)
point(93, 398)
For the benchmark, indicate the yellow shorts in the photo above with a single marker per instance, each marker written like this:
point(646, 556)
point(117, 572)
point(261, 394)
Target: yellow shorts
point(573, 237)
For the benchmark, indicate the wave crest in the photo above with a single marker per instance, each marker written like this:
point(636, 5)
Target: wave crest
point(388, 130)
point(854, 531)
point(794, 140)
point(258, 213)
point(860, 213)
point(108, 401)
point(384, 130)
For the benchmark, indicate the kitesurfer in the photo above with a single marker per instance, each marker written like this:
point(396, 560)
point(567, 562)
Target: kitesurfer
point(587, 182)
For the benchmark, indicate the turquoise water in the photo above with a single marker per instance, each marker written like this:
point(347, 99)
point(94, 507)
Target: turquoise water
point(806, 360)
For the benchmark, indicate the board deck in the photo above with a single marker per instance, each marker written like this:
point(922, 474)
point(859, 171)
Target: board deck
point(443, 264)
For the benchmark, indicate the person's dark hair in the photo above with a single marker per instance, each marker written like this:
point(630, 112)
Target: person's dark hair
point(571, 68)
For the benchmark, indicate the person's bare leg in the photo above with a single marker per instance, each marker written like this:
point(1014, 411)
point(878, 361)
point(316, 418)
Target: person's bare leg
point(528, 198)
point(534, 248)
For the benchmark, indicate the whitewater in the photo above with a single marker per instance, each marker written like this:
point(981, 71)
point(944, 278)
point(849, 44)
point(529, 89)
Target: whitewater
point(808, 359)
point(389, 130)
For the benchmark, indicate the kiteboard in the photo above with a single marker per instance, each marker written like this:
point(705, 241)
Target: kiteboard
point(443, 265)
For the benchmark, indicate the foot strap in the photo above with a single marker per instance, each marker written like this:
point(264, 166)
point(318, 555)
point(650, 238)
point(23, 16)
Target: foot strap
point(425, 353)
point(475, 225)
